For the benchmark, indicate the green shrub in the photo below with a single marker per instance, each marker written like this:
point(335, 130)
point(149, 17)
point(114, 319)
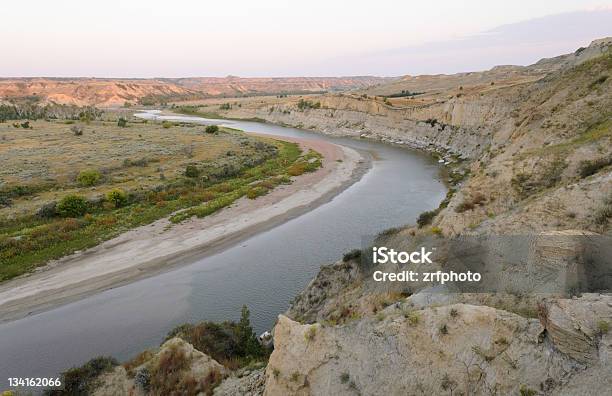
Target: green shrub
point(192, 171)
point(352, 255)
point(117, 197)
point(167, 124)
point(72, 206)
point(211, 129)
point(81, 380)
point(122, 122)
point(227, 342)
point(307, 104)
point(426, 218)
point(257, 191)
point(588, 168)
point(89, 177)
point(525, 391)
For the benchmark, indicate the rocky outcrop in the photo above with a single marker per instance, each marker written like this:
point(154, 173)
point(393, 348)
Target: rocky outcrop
point(580, 328)
point(177, 366)
point(248, 383)
point(452, 349)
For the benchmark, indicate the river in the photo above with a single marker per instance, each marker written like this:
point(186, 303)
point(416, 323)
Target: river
point(264, 271)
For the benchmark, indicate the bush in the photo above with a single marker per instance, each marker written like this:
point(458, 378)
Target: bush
point(588, 168)
point(211, 129)
point(80, 380)
point(257, 191)
point(48, 210)
point(89, 177)
point(192, 171)
point(307, 104)
point(72, 206)
point(77, 130)
point(470, 203)
point(117, 197)
point(352, 255)
point(426, 218)
point(122, 122)
point(227, 342)
point(167, 124)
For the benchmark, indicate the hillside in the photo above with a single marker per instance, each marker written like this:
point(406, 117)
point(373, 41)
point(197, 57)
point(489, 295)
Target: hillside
point(529, 155)
point(116, 92)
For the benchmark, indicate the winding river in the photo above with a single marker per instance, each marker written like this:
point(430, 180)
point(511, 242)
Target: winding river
point(264, 271)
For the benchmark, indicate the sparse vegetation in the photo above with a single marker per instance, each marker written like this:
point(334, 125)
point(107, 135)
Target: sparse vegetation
point(526, 184)
point(89, 177)
point(310, 333)
point(67, 217)
point(72, 206)
point(82, 380)
point(117, 197)
point(603, 215)
point(307, 104)
point(231, 344)
point(590, 167)
point(603, 327)
point(425, 218)
point(211, 129)
point(354, 254)
point(192, 171)
point(413, 318)
point(526, 391)
point(470, 203)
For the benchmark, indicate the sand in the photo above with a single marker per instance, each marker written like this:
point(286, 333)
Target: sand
point(161, 246)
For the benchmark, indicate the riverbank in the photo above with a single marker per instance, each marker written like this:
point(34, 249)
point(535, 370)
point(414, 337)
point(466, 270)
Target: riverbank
point(160, 246)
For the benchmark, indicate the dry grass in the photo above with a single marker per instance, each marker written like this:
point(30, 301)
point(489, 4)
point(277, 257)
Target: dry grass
point(50, 155)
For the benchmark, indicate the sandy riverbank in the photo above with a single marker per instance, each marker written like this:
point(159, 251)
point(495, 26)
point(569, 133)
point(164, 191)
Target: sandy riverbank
point(158, 247)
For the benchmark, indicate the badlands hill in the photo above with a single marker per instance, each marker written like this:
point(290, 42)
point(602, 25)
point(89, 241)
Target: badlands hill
point(116, 92)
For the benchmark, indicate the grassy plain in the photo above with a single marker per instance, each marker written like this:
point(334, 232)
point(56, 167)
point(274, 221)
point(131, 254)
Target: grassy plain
point(141, 173)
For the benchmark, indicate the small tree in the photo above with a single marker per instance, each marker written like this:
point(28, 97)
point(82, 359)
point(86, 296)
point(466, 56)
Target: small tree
point(247, 339)
point(212, 129)
point(117, 197)
point(122, 122)
point(72, 206)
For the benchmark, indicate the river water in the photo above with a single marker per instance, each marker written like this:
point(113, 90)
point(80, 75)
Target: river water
point(264, 271)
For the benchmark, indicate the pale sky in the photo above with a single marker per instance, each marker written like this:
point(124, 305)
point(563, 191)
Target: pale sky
point(180, 38)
